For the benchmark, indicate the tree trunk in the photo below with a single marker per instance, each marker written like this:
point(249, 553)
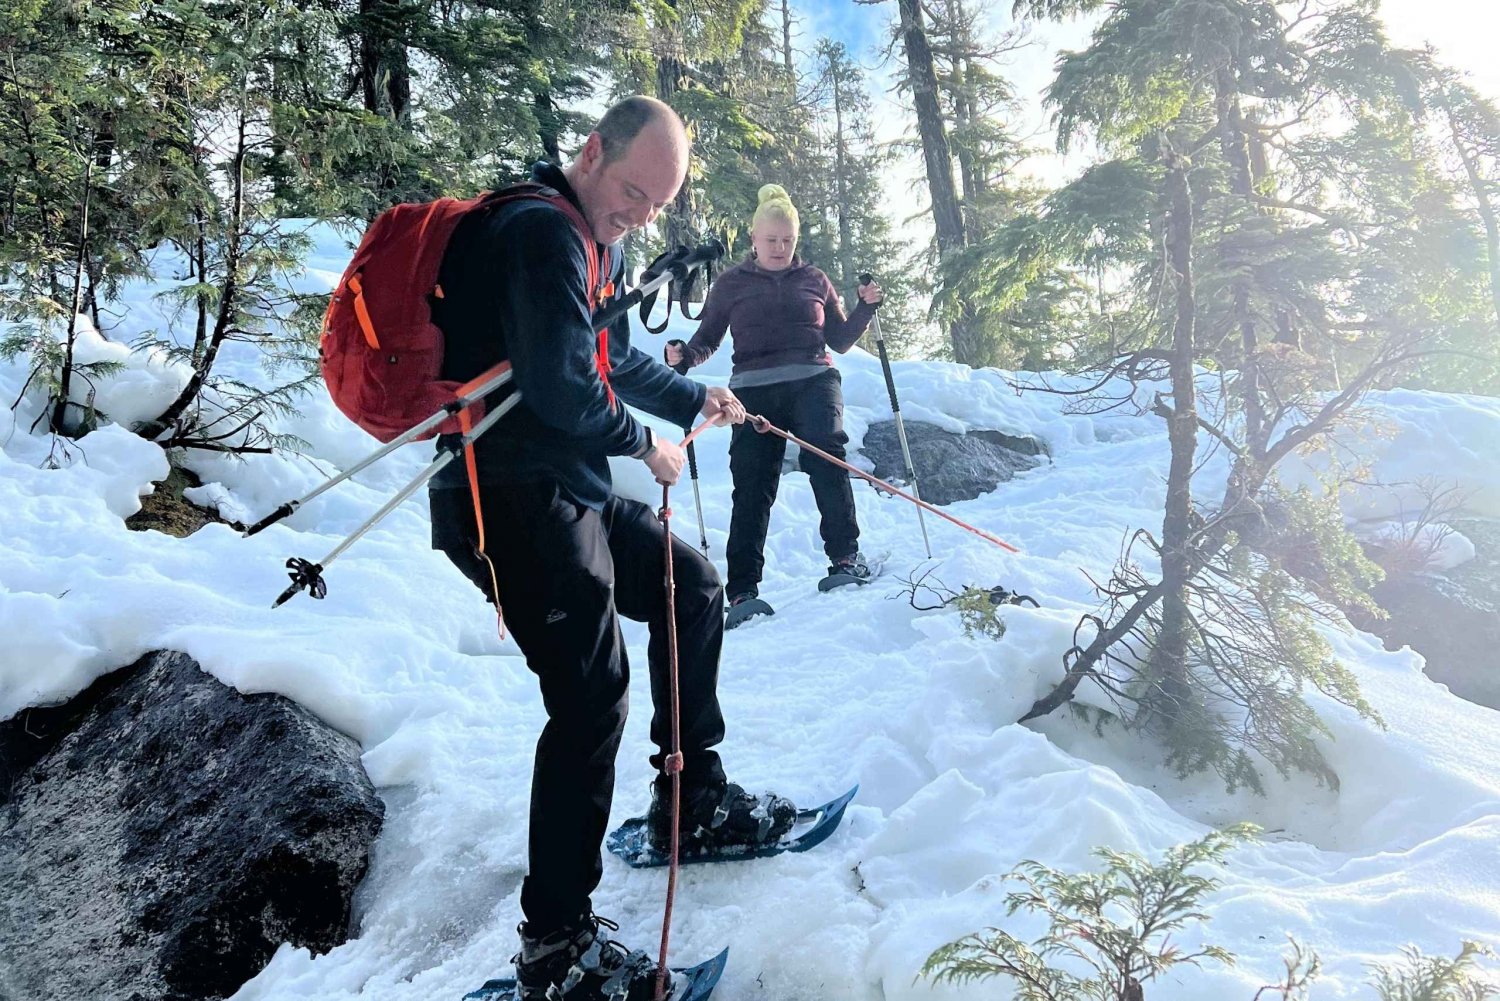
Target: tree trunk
point(786, 47)
point(1481, 198)
point(962, 86)
point(548, 123)
point(841, 179)
point(679, 223)
point(1170, 652)
point(229, 293)
point(974, 181)
point(1232, 143)
point(60, 411)
point(384, 69)
point(963, 332)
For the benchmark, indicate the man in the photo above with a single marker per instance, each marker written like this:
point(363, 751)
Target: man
point(567, 554)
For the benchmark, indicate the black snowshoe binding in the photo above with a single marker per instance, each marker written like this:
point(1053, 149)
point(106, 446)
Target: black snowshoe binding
point(581, 963)
point(715, 818)
point(744, 606)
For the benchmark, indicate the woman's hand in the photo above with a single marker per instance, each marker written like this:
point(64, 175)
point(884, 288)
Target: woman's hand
point(722, 407)
point(871, 294)
point(673, 354)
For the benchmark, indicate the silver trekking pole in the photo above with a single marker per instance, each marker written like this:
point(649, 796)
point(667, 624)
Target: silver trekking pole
point(681, 368)
point(309, 576)
point(890, 387)
point(448, 410)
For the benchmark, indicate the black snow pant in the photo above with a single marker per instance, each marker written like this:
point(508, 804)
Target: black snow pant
point(813, 410)
point(564, 571)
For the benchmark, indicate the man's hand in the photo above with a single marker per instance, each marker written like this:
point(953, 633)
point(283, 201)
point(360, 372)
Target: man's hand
point(723, 407)
point(673, 354)
point(665, 461)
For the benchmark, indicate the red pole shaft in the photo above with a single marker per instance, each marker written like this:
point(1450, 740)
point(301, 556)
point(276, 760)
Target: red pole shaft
point(761, 424)
point(673, 764)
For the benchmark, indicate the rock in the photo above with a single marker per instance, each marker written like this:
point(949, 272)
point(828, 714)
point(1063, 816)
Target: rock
point(166, 510)
point(1451, 618)
point(951, 467)
point(161, 835)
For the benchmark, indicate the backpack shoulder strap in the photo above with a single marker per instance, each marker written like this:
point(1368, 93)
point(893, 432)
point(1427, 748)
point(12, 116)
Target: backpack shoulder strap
point(600, 287)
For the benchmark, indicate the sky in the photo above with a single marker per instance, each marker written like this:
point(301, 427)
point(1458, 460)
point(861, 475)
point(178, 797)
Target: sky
point(1464, 32)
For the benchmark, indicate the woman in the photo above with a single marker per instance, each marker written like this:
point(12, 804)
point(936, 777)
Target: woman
point(785, 315)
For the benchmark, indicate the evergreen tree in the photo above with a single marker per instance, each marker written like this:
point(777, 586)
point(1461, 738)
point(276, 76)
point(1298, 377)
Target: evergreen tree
point(862, 240)
point(1311, 251)
point(964, 333)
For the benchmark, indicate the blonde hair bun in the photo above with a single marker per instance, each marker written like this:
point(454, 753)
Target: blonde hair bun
point(773, 192)
point(775, 203)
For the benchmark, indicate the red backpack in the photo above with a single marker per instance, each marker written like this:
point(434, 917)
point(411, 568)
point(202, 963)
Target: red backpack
point(382, 355)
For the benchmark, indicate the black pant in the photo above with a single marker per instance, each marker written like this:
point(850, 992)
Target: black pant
point(813, 410)
point(564, 570)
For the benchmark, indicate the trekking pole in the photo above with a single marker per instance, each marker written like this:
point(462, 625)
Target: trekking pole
point(673, 763)
point(764, 426)
point(309, 576)
point(502, 375)
point(681, 368)
point(890, 387)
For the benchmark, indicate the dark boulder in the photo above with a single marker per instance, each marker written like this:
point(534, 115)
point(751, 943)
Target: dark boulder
point(951, 467)
point(161, 835)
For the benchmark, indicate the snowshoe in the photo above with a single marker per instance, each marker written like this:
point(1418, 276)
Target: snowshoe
point(581, 963)
point(718, 817)
point(745, 606)
point(852, 569)
point(632, 840)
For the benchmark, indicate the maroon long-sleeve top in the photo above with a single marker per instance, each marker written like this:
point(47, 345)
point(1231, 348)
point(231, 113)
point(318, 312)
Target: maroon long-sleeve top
point(779, 318)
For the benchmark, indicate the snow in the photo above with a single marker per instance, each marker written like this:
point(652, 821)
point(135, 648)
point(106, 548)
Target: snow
point(836, 688)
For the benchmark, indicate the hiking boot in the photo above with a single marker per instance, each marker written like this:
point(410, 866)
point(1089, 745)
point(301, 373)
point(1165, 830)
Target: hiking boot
point(853, 565)
point(742, 597)
point(582, 963)
point(718, 817)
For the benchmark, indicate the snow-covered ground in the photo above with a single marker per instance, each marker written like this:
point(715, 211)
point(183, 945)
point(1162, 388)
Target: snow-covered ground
point(855, 686)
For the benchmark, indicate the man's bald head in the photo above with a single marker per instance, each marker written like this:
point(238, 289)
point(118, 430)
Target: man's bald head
point(628, 119)
point(631, 167)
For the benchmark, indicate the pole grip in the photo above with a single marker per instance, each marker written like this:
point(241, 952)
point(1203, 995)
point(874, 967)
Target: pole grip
point(866, 278)
point(890, 382)
point(681, 368)
point(271, 519)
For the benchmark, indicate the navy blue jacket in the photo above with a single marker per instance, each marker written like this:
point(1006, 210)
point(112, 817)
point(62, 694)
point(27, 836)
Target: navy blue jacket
point(514, 283)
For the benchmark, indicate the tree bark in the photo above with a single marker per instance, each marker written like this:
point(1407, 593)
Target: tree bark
point(786, 47)
point(60, 411)
point(548, 124)
point(384, 69)
point(962, 84)
point(1232, 144)
point(1481, 198)
point(963, 332)
point(841, 177)
point(1170, 652)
